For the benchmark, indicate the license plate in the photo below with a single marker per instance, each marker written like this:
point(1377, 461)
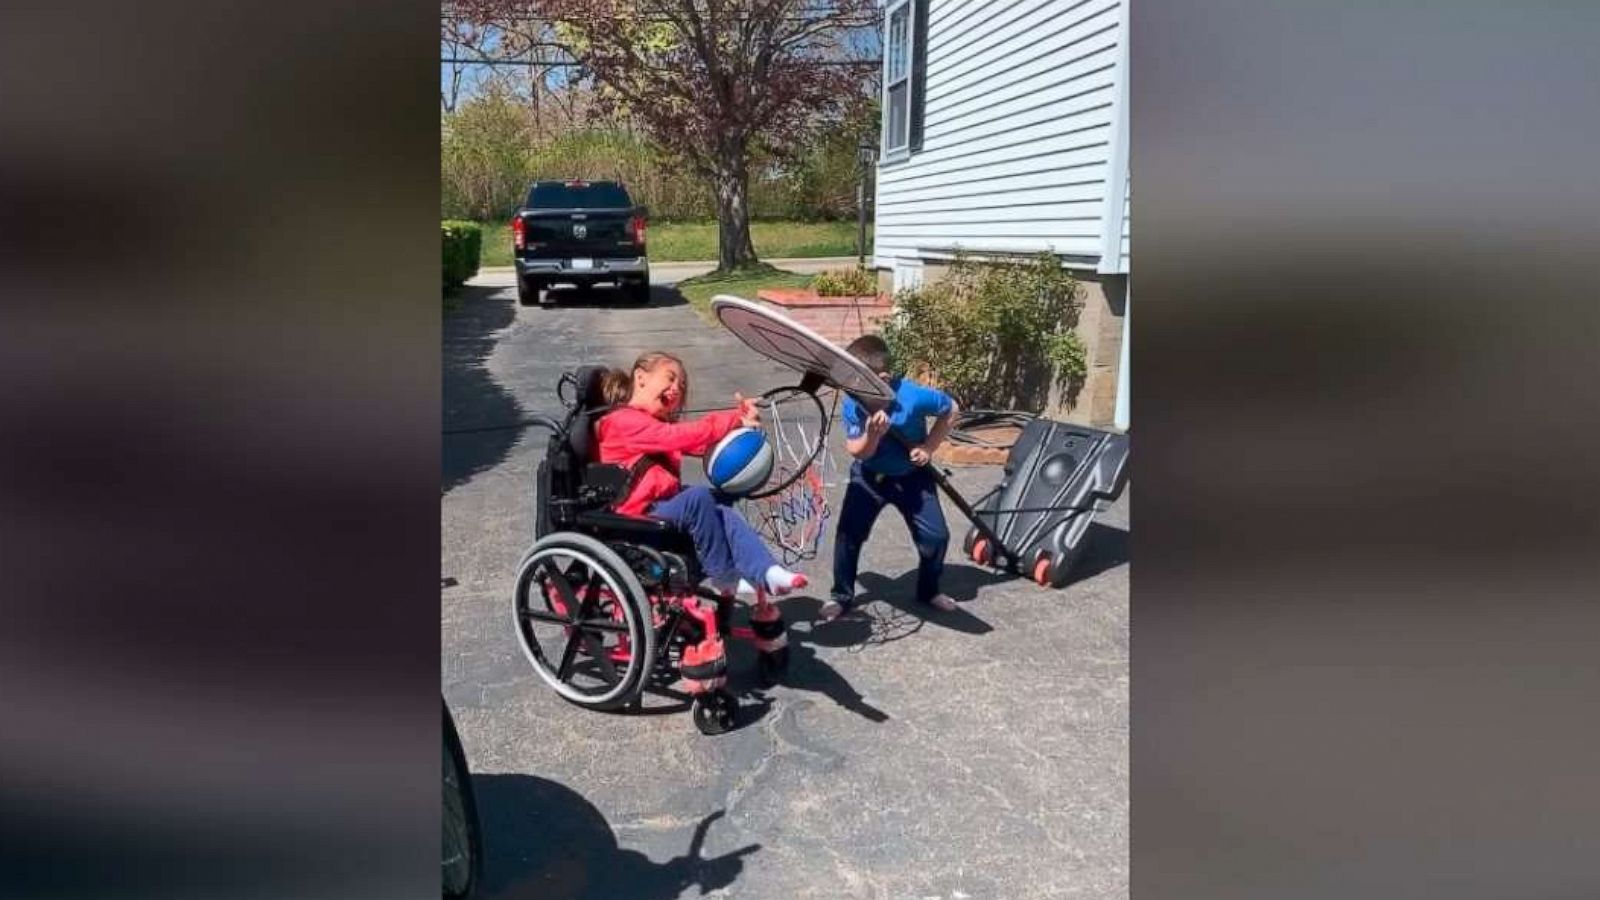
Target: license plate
point(583, 264)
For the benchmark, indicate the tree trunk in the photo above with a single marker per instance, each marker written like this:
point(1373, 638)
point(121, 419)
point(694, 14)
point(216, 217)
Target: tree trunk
point(734, 249)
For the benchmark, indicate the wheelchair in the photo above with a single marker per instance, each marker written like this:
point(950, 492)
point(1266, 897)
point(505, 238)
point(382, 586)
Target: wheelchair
point(606, 605)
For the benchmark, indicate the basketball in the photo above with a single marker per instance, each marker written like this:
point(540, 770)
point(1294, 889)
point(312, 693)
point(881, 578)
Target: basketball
point(740, 462)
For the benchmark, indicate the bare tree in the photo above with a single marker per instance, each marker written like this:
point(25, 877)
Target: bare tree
point(712, 80)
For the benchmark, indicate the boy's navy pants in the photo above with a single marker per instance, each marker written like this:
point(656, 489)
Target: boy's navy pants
point(915, 496)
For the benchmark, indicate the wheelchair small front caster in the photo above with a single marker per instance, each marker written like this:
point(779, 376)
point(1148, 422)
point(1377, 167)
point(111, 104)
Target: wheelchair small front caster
point(773, 665)
point(714, 711)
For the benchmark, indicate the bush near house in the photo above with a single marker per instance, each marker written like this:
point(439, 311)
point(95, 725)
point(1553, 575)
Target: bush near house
point(846, 283)
point(994, 335)
point(463, 241)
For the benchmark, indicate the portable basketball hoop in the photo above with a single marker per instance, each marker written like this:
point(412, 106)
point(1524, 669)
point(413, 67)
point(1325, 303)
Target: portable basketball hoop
point(1073, 478)
point(793, 510)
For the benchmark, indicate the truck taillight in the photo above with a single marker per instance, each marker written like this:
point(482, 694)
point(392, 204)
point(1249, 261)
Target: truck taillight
point(636, 229)
point(518, 238)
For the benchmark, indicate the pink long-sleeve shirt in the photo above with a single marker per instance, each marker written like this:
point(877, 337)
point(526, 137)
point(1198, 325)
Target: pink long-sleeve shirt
point(628, 433)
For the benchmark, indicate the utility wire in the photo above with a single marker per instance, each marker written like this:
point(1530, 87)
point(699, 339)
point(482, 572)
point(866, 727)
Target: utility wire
point(572, 65)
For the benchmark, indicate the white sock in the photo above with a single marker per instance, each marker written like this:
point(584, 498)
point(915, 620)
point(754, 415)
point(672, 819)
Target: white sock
point(781, 581)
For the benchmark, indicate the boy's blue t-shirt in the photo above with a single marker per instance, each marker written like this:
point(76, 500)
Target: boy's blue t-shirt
point(908, 416)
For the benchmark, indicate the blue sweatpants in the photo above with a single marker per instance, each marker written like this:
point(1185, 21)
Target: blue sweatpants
point(915, 495)
point(729, 549)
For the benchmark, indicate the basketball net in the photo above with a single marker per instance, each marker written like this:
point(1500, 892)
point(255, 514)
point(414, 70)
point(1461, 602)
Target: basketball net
point(795, 519)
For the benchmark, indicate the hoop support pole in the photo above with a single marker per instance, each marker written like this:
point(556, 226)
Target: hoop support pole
point(941, 479)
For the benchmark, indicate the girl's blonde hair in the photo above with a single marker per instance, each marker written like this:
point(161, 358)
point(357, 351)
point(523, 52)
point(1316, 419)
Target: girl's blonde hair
point(616, 387)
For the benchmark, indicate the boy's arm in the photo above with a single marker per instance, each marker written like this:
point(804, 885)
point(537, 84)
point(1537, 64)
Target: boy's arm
point(861, 447)
point(937, 434)
point(877, 426)
point(941, 428)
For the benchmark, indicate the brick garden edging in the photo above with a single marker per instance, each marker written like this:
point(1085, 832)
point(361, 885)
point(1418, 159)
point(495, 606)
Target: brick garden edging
point(953, 454)
point(839, 319)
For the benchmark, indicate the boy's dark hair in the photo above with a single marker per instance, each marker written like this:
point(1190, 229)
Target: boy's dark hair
point(870, 349)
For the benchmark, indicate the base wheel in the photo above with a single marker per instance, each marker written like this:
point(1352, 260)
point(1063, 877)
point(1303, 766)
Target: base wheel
point(1041, 569)
point(714, 711)
point(981, 551)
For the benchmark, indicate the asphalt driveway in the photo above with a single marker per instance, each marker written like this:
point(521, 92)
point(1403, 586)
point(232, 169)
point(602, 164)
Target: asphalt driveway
point(977, 754)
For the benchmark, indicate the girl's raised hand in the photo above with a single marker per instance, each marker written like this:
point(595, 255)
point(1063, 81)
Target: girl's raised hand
point(749, 415)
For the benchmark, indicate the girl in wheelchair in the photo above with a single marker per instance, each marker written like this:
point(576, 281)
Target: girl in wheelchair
point(642, 433)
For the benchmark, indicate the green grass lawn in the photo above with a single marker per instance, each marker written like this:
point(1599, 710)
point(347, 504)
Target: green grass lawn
point(743, 283)
point(693, 241)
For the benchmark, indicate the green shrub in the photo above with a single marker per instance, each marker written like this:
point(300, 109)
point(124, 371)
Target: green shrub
point(462, 243)
point(846, 283)
point(994, 335)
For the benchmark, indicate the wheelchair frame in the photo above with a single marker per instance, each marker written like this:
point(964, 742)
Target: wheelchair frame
point(640, 583)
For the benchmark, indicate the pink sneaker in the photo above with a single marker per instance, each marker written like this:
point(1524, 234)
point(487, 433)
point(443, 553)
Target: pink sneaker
point(942, 603)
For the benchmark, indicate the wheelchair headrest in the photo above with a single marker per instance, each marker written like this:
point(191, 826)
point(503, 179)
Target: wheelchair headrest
point(588, 405)
point(589, 380)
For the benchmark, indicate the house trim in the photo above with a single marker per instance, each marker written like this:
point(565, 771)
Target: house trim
point(948, 253)
point(903, 151)
point(1111, 214)
point(1124, 412)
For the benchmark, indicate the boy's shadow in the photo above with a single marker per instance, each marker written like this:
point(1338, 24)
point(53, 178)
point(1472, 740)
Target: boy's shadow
point(543, 840)
point(806, 671)
point(886, 610)
point(867, 625)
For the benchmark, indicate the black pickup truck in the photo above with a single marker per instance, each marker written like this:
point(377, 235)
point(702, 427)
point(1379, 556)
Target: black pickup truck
point(582, 233)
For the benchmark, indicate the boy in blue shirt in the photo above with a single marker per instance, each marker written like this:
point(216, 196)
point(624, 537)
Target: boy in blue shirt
point(886, 472)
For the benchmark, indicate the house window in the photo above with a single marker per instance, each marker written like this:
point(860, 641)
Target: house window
point(897, 79)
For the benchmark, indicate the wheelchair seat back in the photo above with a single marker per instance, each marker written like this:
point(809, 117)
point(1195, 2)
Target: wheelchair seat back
point(569, 483)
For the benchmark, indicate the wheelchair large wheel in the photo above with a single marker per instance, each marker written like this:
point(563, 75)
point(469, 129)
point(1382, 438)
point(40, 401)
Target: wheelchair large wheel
point(583, 620)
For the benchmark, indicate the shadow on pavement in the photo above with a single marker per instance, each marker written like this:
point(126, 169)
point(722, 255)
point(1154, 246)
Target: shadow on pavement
point(470, 397)
point(1107, 548)
point(612, 298)
point(543, 841)
point(808, 672)
point(666, 698)
point(960, 582)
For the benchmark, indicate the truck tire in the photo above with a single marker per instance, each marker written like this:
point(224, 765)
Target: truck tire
point(527, 291)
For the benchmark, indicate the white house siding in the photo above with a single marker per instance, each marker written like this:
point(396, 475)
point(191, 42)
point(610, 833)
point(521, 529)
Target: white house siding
point(1024, 124)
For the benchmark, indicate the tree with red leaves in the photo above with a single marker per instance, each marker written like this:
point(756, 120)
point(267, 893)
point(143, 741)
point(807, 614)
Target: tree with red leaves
point(713, 80)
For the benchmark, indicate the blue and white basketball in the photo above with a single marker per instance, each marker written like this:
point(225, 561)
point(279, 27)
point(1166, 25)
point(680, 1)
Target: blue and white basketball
point(740, 462)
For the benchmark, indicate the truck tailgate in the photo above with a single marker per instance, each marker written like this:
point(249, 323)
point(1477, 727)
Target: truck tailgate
point(564, 235)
